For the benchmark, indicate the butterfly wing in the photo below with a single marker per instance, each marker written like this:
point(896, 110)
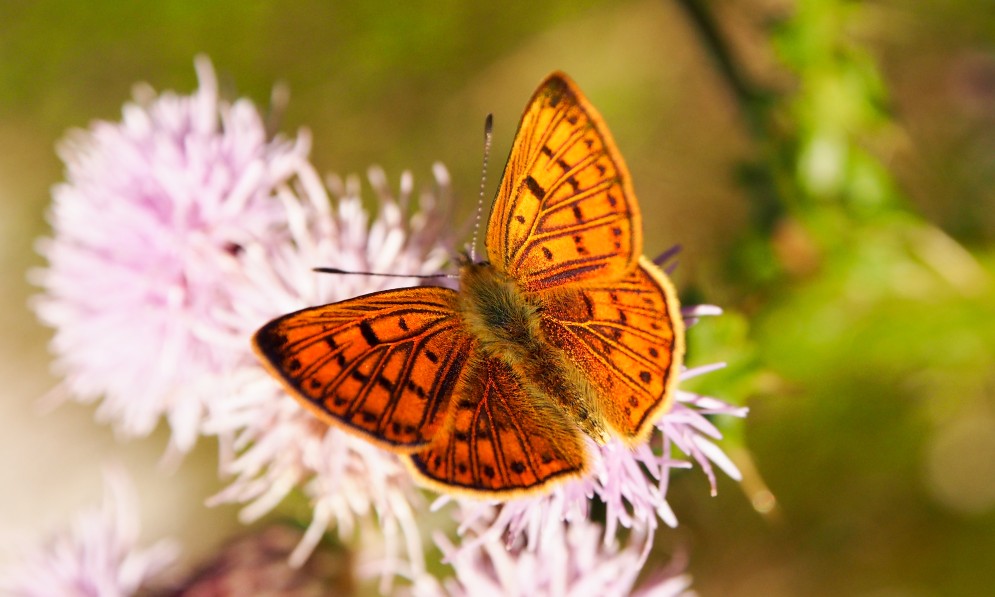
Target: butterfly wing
point(383, 365)
point(498, 440)
point(565, 210)
point(627, 339)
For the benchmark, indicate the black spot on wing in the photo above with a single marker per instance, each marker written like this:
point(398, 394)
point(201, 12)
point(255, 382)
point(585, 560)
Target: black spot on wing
point(417, 389)
point(537, 191)
point(589, 305)
point(368, 334)
point(579, 245)
point(385, 383)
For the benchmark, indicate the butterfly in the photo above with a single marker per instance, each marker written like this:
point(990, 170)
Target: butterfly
point(565, 330)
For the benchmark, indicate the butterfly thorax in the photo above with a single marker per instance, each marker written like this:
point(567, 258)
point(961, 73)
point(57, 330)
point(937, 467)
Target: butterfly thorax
point(507, 324)
point(497, 313)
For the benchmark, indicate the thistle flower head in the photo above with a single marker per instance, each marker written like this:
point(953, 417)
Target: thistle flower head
point(98, 556)
point(568, 559)
point(153, 209)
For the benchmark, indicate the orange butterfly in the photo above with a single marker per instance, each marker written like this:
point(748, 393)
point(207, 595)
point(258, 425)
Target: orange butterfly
point(566, 329)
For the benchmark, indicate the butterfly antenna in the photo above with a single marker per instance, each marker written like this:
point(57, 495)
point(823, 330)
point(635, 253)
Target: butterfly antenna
point(488, 129)
point(335, 270)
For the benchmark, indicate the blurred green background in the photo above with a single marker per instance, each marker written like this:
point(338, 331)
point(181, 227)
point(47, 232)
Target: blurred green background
point(828, 167)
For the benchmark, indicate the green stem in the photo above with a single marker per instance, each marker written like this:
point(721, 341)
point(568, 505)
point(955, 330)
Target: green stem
point(768, 179)
point(750, 100)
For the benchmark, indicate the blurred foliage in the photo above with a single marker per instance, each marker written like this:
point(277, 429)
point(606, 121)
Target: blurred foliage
point(828, 165)
point(874, 330)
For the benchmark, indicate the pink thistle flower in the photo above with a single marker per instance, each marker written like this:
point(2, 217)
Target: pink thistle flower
point(98, 556)
point(152, 209)
point(618, 478)
point(568, 559)
point(274, 445)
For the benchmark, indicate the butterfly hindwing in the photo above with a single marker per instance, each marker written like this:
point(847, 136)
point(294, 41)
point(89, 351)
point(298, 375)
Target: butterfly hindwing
point(499, 440)
point(565, 210)
point(627, 338)
point(384, 364)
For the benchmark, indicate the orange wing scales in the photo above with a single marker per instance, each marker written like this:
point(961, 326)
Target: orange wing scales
point(498, 442)
point(627, 338)
point(565, 330)
point(565, 210)
point(384, 365)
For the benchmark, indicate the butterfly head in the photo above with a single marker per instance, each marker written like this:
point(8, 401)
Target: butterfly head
point(465, 258)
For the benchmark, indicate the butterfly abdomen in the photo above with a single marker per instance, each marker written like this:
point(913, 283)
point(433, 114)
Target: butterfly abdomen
point(506, 323)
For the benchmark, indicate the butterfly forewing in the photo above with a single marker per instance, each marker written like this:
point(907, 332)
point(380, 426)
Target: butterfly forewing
point(383, 364)
point(498, 440)
point(626, 337)
point(565, 210)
